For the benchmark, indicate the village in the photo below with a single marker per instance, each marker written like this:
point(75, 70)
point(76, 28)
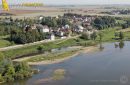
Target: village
point(78, 25)
point(69, 25)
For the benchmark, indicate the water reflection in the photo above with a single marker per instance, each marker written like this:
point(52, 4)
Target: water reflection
point(120, 44)
point(101, 47)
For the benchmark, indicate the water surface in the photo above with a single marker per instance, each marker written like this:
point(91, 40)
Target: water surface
point(109, 66)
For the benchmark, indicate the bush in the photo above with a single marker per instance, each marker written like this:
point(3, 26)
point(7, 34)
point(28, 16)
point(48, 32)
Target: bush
point(40, 48)
point(8, 78)
point(1, 78)
point(85, 36)
point(19, 76)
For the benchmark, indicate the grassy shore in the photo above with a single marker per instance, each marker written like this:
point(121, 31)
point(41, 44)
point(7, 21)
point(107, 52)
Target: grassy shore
point(59, 57)
point(52, 56)
point(46, 46)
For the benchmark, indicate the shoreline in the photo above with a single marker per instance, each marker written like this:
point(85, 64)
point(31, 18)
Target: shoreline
point(81, 50)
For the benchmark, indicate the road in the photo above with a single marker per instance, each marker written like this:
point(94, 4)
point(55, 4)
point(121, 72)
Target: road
point(34, 43)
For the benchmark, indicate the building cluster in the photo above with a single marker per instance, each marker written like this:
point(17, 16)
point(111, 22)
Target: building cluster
point(79, 24)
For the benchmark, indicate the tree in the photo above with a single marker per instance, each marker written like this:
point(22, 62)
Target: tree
point(124, 26)
point(94, 35)
point(116, 35)
point(121, 44)
point(104, 22)
point(121, 35)
point(100, 36)
point(85, 36)
point(22, 38)
point(9, 72)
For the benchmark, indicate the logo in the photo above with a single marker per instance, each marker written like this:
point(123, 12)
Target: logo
point(124, 79)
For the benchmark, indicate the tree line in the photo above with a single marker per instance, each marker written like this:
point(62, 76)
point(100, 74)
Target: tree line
point(104, 22)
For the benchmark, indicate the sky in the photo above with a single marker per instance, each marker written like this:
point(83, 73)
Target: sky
point(71, 2)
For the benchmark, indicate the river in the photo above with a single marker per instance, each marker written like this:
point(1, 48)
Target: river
point(107, 66)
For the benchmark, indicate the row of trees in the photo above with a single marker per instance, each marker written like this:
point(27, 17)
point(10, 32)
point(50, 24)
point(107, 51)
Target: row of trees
point(28, 37)
point(94, 35)
point(54, 22)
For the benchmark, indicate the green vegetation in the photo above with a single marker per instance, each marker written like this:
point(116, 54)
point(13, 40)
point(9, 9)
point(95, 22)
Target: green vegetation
point(4, 43)
point(16, 33)
point(107, 35)
point(48, 46)
point(10, 72)
point(52, 56)
point(104, 22)
point(121, 35)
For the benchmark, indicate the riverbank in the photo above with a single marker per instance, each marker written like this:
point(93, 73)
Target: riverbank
point(54, 61)
point(55, 58)
point(42, 59)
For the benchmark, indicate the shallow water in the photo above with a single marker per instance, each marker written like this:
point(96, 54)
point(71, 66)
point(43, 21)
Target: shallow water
point(109, 66)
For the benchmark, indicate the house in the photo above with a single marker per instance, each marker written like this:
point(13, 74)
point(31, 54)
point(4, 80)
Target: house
point(27, 28)
point(52, 37)
point(43, 29)
point(40, 17)
point(67, 26)
point(79, 28)
point(60, 32)
point(33, 26)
